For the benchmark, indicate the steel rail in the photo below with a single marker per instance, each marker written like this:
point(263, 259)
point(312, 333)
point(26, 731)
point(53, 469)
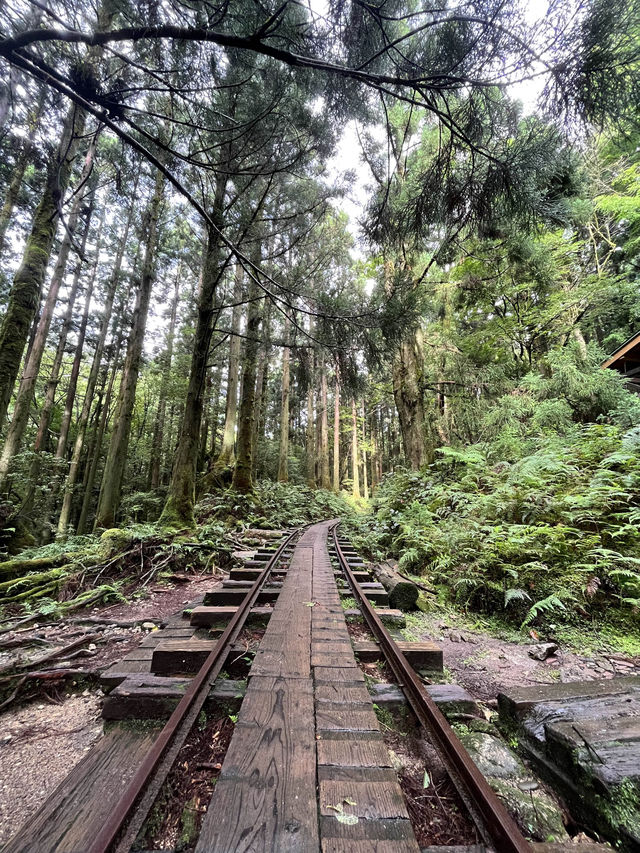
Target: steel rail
point(493, 821)
point(193, 698)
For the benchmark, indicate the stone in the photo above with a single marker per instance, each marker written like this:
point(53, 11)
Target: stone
point(455, 637)
point(536, 812)
point(491, 756)
point(149, 626)
point(541, 651)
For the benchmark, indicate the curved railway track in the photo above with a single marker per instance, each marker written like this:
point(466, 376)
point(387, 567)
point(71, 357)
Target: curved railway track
point(304, 678)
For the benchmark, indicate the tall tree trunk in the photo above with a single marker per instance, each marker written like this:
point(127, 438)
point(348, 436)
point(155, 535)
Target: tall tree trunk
point(22, 161)
point(93, 455)
point(26, 390)
point(119, 443)
point(158, 428)
point(283, 455)
point(65, 422)
point(365, 474)
point(262, 378)
point(409, 399)
point(310, 436)
point(178, 509)
point(354, 449)
point(72, 476)
point(54, 377)
point(226, 457)
point(336, 433)
point(242, 473)
point(325, 479)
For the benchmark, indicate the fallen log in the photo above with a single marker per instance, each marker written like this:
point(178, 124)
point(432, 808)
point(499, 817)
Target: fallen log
point(403, 593)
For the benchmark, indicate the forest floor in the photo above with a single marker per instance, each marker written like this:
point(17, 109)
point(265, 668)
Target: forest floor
point(486, 664)
point(42, 740)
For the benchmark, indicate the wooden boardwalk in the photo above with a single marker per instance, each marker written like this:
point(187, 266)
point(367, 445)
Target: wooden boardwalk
point(307, 768)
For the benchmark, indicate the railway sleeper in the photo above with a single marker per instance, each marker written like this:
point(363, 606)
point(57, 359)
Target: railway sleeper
point(389, 616)
point(218, 616)
point(150, 697)
point(176, 657)
point(420, 655)
point(222, 597)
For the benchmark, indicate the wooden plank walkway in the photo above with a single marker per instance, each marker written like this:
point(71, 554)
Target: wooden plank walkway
point(307, 768)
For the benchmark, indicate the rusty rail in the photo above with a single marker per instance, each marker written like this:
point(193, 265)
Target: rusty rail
point(178, 724)
point(494, 823)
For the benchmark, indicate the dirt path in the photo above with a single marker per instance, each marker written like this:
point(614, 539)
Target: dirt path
point(485, 665)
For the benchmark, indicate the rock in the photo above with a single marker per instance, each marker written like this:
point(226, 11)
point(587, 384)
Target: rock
point(7, 738)
point(492, 756)
point(92, 646)
point(541, 651)
point(535, 811)
point(148, 626)
point(455, 637)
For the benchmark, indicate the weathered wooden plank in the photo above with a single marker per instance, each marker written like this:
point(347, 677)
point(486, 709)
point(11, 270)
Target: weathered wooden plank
point(341, 692)
point(352, 752)
point(518, 699)
point(329, 674)
point(348, 845)
point(340, 717)
point(70, 818)
point(373, 800)
point(398, 831)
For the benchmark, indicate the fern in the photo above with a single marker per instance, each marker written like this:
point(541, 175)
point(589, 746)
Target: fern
point(545, 605)
point(515, 595)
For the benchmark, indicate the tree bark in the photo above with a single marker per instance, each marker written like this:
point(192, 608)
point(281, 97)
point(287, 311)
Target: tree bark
point(336, 434)
point(354, 450)
point(26, 390)
point(227, 456)
point(409, 399)
point(325, 479)
point(242, 473)
point(283, 455)
point(365, 475)
point(158, 428)
point(54, 378)
point(65, 512)
point(119, 443)
point(310, 436)
point(20, 167)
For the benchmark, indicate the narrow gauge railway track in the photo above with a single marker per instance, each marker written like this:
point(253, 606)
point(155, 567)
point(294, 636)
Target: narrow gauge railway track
point(123, 824)
point(494, 823)
point(306, 740)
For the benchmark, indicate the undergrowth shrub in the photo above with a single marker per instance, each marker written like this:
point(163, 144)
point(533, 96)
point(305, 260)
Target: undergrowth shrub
point(553, 531)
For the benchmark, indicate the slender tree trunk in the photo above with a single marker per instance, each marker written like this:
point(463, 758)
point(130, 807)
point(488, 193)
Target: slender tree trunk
point(65, 512)
point(178, 509)
point(93, 455)
point(283, 456)
point(242, 473)
point(354, 449)
point(217, 383)
point(336, 434)
point(325, 479)
point(20, 167)
point(262, 378)
point(119, 443)
point(54, 378)
point(158, 429)
point(227, 455)
point(409, 399)
point(26, 390)
point(65, 422)
point(365, 474)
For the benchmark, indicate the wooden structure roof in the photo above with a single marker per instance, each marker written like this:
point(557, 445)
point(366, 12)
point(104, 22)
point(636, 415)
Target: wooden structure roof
point(626, 360)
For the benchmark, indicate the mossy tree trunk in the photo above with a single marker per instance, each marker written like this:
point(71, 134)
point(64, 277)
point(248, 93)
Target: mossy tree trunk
point(354, 450)
point(310, 437)
point(409, 398)
point(365, 473)
point(22, 161)
point(178, 508)
point(243, 471)
point(83, 420)
point(283, 455)
point(227, 455)
point(262, 381)
point(119, 442)
point(325, 479)
point(26, 390)
point(336, 433)
point(24, 297)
